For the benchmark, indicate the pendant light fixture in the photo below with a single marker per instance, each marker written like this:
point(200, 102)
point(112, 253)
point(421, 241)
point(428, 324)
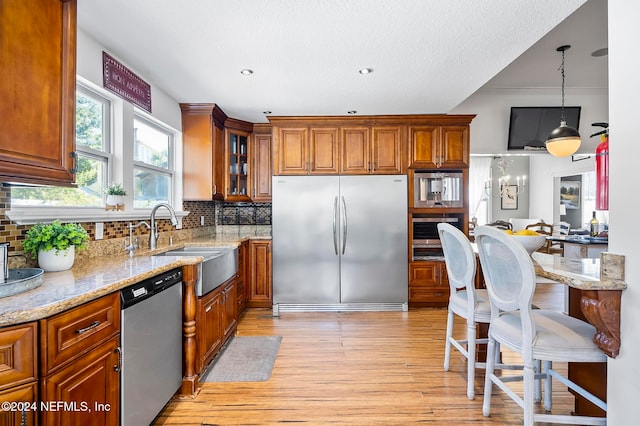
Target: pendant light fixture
point(564, 140)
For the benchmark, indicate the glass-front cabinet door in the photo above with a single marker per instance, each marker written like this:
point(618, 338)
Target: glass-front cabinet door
point(237, 166)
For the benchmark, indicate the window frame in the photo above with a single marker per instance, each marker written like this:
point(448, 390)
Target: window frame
point(171, 163)
point(120, 155)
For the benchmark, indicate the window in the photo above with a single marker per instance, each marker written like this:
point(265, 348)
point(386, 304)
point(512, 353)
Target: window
point(152, 163)
point(93, 116)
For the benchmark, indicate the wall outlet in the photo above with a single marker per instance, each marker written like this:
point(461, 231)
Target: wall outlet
point(99, 230)
point(201, 220)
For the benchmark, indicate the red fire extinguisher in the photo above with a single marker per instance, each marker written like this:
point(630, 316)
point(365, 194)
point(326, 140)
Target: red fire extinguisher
point(602, 167)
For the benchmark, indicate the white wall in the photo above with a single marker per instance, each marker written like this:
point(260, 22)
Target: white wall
point(490, 128)
point(89, 66)
point(624, 91)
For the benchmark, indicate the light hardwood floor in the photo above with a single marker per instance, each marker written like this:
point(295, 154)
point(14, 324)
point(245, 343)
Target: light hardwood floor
point(365, 368)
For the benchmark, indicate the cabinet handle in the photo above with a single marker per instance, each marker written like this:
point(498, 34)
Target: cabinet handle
point(215, 189)
point(74, 167)
point(118, 352)
point(438, 294)
point(374, 166)
point(208, 308)
point(89, 327)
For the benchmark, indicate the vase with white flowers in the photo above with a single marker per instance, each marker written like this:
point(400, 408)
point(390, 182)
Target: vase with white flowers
point(115, 197)
point(55, 244)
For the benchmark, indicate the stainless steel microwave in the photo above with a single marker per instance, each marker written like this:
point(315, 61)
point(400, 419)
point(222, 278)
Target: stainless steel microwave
point(439, 189)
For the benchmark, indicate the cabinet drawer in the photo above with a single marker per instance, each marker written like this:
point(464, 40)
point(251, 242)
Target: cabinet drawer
point(18, 356)
point(73, 332)
point(420, 294)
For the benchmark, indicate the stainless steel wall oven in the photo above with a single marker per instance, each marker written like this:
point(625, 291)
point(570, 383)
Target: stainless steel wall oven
point(425, 241)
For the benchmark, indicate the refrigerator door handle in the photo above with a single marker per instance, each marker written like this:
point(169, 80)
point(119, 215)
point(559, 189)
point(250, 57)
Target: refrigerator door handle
point(344, 224)
point(335, 219)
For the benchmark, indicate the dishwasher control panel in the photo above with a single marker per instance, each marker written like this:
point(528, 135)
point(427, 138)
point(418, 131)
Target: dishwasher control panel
point(139, 291)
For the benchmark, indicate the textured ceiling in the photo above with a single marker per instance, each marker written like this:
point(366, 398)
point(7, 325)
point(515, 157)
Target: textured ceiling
point(427, 55)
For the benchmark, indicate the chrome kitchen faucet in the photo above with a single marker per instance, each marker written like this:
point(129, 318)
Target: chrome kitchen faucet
point(153, 237)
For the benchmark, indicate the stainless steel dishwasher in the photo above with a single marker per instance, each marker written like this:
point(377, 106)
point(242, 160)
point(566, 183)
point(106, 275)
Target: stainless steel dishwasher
point(151, 346)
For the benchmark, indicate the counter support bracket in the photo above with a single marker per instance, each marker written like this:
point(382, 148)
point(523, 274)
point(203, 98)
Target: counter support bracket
point(602, 310)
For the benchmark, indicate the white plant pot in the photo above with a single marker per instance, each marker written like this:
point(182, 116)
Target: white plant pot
point(115, 200)
point(52, 261)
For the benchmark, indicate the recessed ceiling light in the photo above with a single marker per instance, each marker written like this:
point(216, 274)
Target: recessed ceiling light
point(266, 112)
point(352, 112)
point(365, 70)
point(600, 52)
point(246, 71)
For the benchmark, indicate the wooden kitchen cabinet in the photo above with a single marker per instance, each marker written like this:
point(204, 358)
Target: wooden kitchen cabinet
point(216, 321)
point(355, 152)
point(229, 311)
point(306, 151)
point(37, 88)
point(242, 278)
point(434, 146)
point(323, 150)
point(18, 371)
point(80, 362)
point(92, 379)
point(428, 284)
point(372, 150)
point(25, 394)
point(237, 164)
point(209, 330)
point(260, 279)
point(203, 142)
point(261, 163)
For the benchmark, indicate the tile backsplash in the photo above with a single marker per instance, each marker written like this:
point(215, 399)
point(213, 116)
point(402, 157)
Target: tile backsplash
point(214, 213)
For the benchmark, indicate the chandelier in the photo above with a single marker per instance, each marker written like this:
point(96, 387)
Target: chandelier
point(505, 186)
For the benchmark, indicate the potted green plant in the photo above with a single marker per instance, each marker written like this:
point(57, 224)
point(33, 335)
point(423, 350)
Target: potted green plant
point(115, 196)
point(55, 244)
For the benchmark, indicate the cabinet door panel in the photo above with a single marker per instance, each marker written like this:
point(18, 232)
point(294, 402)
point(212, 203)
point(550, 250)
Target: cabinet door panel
point(37, 88)
point(229, 315)
point(424, 274)
point(22, 394)
point(356, 159)
point(423, 141)
point(386, 147)
point(455, 146)
point(92, 379)
point(209, 328)
point(323, 146)
point(261, 171)
point(260, 276)
point(18, 354)
point(293, 156)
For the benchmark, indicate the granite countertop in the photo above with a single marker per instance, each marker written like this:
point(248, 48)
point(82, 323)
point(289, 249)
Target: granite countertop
point(99, 276)
point(584, 274)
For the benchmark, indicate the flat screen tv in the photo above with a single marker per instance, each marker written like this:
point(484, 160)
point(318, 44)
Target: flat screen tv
point(529, 127)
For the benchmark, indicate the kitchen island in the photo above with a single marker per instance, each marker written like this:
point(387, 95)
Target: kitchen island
point(595, 287)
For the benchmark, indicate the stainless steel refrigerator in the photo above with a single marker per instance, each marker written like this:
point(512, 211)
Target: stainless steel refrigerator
point(339, 243)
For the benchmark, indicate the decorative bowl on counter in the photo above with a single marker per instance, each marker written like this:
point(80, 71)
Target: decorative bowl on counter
point(21, 280)
point(531, 243)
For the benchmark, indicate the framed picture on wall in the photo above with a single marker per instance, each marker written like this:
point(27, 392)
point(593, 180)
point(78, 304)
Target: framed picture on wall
point(570, 194)
point(509, 200)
